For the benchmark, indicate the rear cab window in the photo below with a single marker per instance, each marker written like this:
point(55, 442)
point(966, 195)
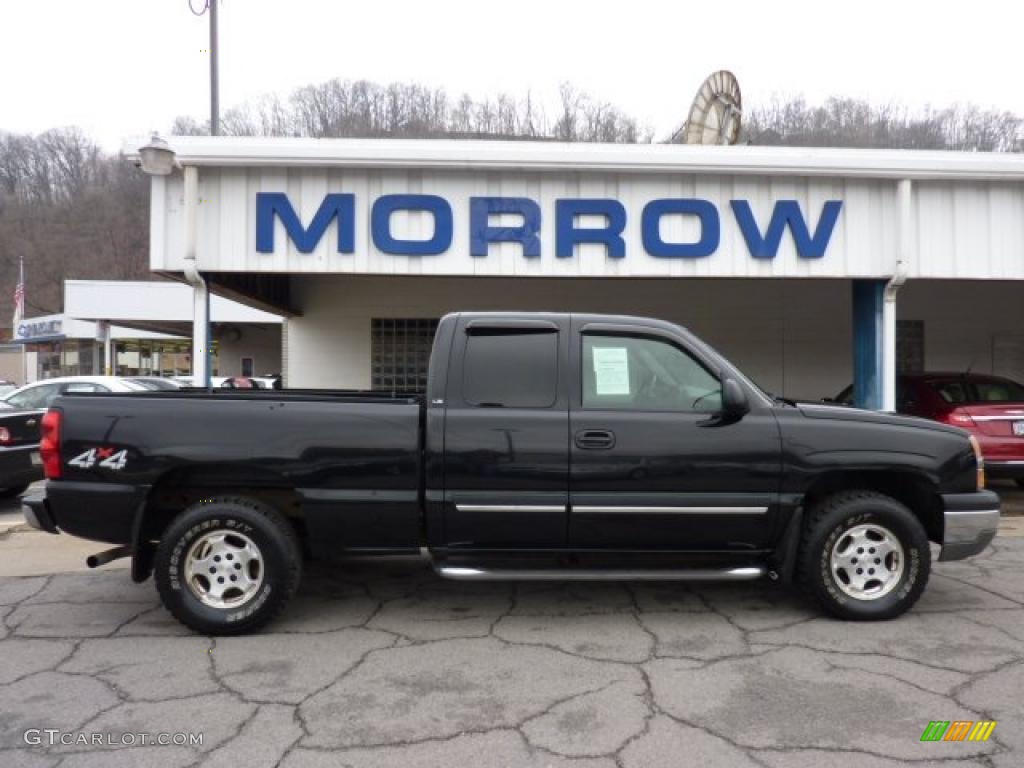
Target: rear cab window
point(511, 368)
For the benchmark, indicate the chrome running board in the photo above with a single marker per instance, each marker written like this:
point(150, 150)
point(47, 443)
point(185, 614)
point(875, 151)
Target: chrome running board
point(483, 573)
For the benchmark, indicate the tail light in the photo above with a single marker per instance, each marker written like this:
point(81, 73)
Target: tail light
point(980, 462)
point(49, 444)
point(959, 419)
point(5, 436)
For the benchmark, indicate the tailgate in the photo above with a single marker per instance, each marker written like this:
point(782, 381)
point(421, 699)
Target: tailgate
point(998, 419)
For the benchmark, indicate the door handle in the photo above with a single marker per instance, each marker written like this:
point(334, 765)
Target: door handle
point(595, 439)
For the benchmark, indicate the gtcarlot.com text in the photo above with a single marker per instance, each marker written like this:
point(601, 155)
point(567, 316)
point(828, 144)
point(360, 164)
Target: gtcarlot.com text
point(51, 737)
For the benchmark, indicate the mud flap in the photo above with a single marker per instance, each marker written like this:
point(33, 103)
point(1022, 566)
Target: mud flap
point(144, 551)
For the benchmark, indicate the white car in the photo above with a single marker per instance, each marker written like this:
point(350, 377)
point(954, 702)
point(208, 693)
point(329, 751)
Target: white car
point(39, 394)
point(189, 381)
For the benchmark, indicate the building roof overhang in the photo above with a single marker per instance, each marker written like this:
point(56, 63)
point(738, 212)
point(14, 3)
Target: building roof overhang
point(546, 156)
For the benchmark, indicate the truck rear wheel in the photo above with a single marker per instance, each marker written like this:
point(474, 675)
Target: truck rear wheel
point(864, 556)
point(227, 565)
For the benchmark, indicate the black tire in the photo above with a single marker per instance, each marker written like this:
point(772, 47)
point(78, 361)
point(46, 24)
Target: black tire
point(826, 526)
point(280, 564)
point(12, 491)
point(1020, 482)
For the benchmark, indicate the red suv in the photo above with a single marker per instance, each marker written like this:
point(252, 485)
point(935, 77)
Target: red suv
point(989, 407)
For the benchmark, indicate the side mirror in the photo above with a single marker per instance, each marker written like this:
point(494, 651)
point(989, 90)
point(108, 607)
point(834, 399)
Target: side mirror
point(734, 399)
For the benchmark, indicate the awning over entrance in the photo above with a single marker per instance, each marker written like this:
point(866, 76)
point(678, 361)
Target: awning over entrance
point(164, 306)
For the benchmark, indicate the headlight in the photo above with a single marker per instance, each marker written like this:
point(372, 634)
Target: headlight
point(980, 461)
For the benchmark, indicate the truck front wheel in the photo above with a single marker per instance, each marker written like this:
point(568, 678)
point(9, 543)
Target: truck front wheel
point(227, 565)
point(864, 556)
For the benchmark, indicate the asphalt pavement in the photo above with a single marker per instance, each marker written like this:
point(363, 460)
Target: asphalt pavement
point(383, 664)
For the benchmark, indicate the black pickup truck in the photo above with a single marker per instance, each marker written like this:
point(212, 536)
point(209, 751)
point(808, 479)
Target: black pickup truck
point(547, 446)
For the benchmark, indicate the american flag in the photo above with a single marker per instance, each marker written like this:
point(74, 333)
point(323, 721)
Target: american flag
point(19, 300)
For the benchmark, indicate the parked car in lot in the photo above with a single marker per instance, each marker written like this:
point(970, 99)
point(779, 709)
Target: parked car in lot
point(155, 382)
point(270, 381)
point(242, 382)
point(189, 381)
point(989, 407)
point(39, 394)
point(6, 387)
point(20, 464)
point(546, 446)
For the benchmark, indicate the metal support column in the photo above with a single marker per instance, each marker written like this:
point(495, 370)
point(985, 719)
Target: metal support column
point(868, 300)
point(904, 247)
point(103, 328)
point(200, 292)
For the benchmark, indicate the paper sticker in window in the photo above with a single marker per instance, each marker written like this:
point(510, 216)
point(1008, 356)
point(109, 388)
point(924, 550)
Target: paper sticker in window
point(611, 370)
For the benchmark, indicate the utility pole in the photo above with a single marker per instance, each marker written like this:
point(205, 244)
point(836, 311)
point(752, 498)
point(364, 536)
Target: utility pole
point(202, 355)
point(214, 51)
point(214, 73)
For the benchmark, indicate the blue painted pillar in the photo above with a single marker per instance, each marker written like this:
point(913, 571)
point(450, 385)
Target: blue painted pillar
point(868, 298)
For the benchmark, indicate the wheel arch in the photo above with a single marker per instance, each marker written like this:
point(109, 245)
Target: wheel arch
point(915, 490)
point(180, 488)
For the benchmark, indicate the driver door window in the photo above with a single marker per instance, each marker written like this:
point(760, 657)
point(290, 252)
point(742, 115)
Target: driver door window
point(643, 374)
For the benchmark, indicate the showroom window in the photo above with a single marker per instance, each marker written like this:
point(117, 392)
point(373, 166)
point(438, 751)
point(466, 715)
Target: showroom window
point(400, 353)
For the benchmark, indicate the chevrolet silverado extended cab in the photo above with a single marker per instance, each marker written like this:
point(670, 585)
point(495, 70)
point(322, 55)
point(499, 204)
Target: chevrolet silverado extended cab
point(546, 446)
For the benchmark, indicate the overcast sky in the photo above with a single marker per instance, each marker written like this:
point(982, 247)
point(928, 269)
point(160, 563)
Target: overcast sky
point(120, 67)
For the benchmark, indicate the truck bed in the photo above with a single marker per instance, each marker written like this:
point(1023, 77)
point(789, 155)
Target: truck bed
point(352, 459)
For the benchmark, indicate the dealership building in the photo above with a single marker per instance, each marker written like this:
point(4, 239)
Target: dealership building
point(809, 268)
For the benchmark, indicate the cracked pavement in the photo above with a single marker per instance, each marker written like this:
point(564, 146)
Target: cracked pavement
point(383, 664)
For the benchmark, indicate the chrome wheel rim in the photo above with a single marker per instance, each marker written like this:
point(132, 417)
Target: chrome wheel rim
point(224, 569)
point(867, 561)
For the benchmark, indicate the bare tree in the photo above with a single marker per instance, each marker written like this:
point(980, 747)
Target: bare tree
point(69, 211)
point(844, 122)
point(339, 108)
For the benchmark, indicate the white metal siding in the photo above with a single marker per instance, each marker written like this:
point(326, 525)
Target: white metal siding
point(965, 229)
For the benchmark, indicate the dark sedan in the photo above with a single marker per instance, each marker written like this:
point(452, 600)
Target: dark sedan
point(19, 450)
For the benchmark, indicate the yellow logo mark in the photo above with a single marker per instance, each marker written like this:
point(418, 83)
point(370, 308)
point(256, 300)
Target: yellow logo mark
point(982, 730)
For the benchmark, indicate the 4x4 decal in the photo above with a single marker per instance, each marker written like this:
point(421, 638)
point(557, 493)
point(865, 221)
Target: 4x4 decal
point(108, 458)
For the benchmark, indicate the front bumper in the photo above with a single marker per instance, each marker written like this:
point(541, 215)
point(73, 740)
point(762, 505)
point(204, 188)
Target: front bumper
point(970, 523)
